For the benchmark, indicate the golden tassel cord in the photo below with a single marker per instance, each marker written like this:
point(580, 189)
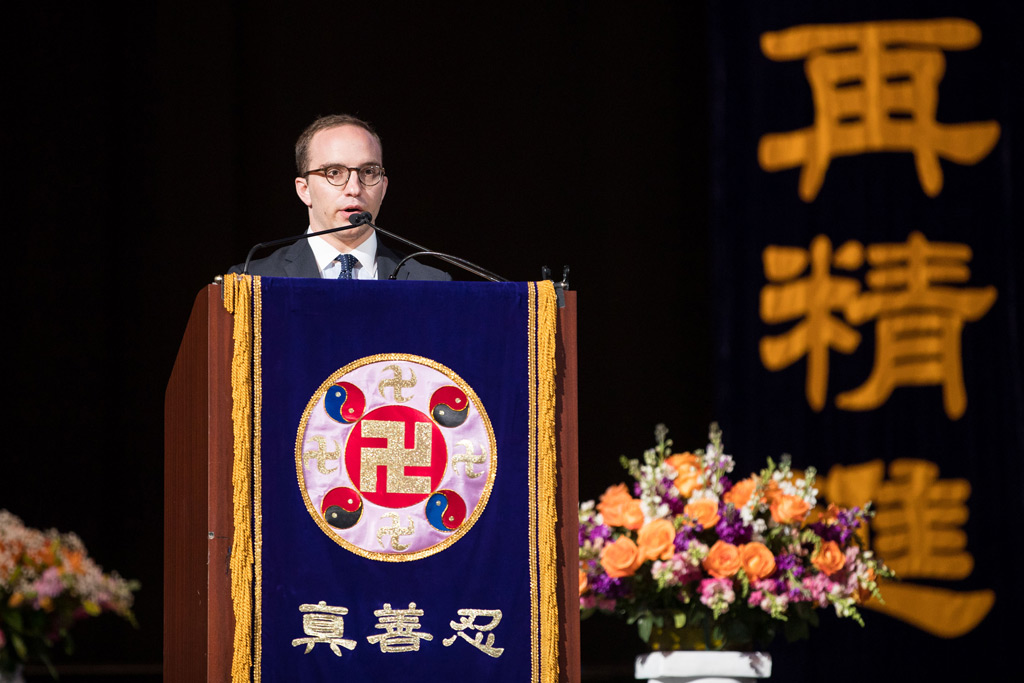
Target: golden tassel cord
point(238, 300)
point(547, 505)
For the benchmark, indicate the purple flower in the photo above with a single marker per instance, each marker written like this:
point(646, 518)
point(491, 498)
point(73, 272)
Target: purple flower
point(676, 503)
point(841, 528)
point(609, 587)
point(787, 561)
point(593, 533)
point(684, 536)
point(730, 527)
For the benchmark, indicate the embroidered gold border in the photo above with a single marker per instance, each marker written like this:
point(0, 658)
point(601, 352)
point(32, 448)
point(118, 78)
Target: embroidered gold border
point(484, 496)
point(535, 652)
point(257, 469)
point(237, 300)
point(547, 505)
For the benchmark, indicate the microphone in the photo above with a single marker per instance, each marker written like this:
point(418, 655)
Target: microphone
point(357, 219)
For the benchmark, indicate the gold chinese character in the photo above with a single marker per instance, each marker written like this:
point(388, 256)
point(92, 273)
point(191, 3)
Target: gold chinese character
point(465, 624)
point(395, 456)
point(917, 336)
point(324, 624)
point(812, 298)
point(399, 625)
point(916, 529)
point(875, 88)
point(919, 320)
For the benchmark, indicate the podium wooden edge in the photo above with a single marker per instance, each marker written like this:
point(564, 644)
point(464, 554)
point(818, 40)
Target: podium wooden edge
point(567, 428)
point(198, 617)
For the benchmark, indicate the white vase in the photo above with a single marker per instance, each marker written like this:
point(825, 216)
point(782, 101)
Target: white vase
point(687, 666)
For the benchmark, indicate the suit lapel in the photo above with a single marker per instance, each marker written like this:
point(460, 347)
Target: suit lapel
point(299, 261)
point(387, 261)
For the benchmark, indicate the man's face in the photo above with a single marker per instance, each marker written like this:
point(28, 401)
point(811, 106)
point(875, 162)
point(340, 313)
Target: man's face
point(331, 206)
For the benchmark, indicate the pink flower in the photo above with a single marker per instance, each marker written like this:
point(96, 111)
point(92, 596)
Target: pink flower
point(717, 594)
point(819, 587)
point(49, 584)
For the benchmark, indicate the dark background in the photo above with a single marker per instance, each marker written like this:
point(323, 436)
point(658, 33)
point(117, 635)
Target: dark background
point(152, 145)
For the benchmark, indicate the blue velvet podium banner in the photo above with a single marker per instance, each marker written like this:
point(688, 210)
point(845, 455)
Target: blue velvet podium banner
point(402, 503)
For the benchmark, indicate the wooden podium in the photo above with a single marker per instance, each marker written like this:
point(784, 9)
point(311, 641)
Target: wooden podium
point(198, 617)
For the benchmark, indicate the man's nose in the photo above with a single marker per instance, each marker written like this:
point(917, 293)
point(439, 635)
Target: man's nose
point(353, 186)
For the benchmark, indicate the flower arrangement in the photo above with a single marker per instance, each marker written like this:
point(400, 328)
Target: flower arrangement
point(690, 549)
point(47, 583)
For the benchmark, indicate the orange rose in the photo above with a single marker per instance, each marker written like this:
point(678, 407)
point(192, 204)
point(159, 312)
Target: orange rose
point(73, 560)
point(688, 470)
point(612, 506)
point(788, 509)
point(741, 491)
point(628, 513)
point(621, 558)
point(612, 496)
point(704, 511)
point(657, 540)
point(758, 562)
point(829, 559)
point(723, 560)
point(830, 515)
point(584, 585)
point(632, 512)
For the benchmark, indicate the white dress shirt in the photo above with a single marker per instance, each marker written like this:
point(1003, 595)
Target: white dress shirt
point(365, 253)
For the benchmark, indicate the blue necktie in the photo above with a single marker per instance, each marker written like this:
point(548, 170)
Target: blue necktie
point(347, 263)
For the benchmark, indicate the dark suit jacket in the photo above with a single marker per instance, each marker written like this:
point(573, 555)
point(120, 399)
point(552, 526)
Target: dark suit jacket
point(296, 260)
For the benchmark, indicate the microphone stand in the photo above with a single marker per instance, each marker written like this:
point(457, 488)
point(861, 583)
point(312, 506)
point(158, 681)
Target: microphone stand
point(468, 266)
point(364, 218)
point(303, 236)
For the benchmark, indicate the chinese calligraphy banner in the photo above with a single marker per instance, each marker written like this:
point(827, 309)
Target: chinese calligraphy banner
point(868, 297)
point(401, 503)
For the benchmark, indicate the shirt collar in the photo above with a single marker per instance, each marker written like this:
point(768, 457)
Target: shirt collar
point(366, 253)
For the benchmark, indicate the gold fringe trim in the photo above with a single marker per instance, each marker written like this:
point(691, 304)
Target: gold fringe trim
point(238, 300)
point(531, 470)
point(547, 505)
point(257, 473)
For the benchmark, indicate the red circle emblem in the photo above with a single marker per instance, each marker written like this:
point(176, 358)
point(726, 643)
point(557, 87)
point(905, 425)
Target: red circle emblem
point(396, 456)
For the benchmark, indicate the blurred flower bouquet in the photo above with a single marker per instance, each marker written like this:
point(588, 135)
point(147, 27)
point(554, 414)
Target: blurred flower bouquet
point(702, 562)
point(47, 583)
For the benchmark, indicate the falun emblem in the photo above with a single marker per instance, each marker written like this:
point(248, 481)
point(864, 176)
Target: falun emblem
point(395, 457)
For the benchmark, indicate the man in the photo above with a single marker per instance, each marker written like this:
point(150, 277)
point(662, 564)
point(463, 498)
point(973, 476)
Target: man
point(340, 160)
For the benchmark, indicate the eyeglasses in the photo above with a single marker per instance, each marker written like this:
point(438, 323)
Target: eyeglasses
point(339, 175)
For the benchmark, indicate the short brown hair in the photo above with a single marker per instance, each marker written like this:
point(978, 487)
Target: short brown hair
point(323, 123)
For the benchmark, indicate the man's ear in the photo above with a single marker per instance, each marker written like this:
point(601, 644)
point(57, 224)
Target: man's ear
point(302, 189)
